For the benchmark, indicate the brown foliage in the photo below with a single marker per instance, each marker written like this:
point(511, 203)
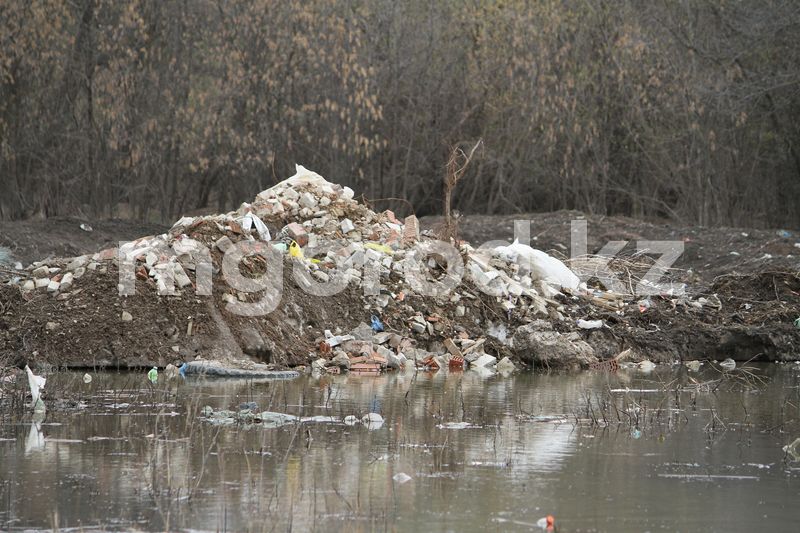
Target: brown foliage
point(149, 109)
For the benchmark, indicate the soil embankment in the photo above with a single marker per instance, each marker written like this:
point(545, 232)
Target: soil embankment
point(742, 293)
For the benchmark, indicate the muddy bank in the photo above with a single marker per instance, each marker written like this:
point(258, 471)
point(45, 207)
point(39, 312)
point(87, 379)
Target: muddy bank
point(70, 312)
point(37, 239)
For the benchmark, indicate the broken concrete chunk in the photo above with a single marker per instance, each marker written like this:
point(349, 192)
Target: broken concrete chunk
point(505, 366)
point(545, 347)
point(126, 316)
point(77, 263)
point(53, 286)
point(347, 226)
point(341, 360)
point(41, 272)
point(307, 200)
point(224, 244)
point(484, 361)
point(66, 281)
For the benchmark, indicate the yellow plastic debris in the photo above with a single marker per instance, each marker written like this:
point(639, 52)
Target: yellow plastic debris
point(295, 250)
point(379, 247)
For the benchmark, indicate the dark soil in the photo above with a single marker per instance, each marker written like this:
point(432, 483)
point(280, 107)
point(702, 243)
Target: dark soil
point(37, 239)
point(759, 296)
point(708, 252)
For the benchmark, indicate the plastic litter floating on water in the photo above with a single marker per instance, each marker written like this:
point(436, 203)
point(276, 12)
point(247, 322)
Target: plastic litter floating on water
point(87, 378)
point(372, 420)
point(401, 478)
point(793, 449)
point(646, 366)
point(153, 375)
point(547, 522)
point(728, 364)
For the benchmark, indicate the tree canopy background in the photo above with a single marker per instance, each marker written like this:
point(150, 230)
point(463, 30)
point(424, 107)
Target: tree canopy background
point(651, 108)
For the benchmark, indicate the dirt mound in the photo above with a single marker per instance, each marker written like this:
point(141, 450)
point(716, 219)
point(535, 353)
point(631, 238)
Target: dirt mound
point(363, 290)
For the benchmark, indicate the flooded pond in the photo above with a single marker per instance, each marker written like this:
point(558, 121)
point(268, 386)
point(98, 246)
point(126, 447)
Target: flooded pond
point(455, 452)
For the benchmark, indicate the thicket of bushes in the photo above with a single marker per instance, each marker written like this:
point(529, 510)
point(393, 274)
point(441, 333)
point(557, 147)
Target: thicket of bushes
point(150, 108)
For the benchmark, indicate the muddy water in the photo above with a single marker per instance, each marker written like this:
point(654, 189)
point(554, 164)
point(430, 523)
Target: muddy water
point(481, 453)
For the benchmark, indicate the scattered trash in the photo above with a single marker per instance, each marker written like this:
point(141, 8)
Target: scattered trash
point(86, 227)
point(295, 250)
point(248, 406)
point(401, 478)
point(797, 322)
point(793, 449)
point(644, 305)
point(372, 421)
point(693, 366)
point(548, 523)
point(36, 384)
point(377, 325)
point(171, 371)
point(646, 365)
point(636, 433)
point(590, 324)
point(152, 375)
point(784, 234)
point(728, 364)
point(234, 369)
point(250, 220)
point(457, 425)
point(87, 378)
point(540, 265)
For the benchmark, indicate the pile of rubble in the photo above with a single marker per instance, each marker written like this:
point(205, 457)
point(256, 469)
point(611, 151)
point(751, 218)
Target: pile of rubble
point(399, 297)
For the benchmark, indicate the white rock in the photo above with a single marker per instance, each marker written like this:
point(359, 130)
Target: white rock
point(29, 285)
point(53, 286)
point(347, 193)
point(590, 324)
point(41, 282)
point(484, 361)
point(180, 276)
point(307, 200)
point(126, 316)
point(505, 365)
point(78, 262)
point(347, 225)
point(66, 281)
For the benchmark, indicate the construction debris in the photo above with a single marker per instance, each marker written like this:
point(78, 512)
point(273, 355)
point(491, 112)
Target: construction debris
point(363, 292)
